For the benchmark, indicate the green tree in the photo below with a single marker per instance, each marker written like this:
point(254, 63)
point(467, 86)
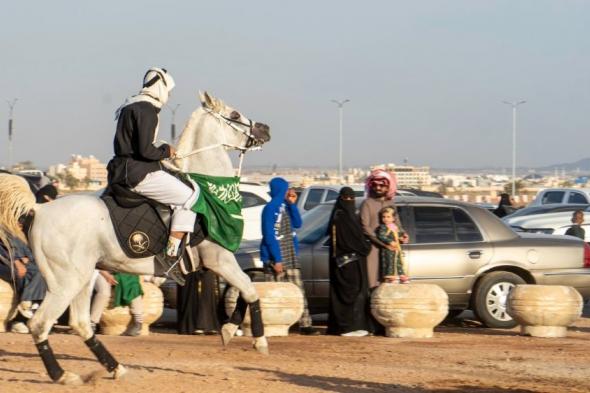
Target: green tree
point(566, 184)
point(518, 185)
point(71, 181)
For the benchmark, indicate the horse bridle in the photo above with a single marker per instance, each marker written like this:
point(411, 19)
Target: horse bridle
point(251, 144)
point(252, 140)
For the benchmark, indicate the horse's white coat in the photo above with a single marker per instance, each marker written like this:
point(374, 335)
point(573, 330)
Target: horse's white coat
point(73, 234)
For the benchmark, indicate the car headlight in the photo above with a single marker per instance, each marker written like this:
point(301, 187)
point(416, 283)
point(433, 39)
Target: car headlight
point(547, 231)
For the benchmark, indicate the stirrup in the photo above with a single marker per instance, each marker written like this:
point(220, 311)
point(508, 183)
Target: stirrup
point(171, 267)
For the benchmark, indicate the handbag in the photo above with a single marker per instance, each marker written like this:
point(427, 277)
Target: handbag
point(344, 259)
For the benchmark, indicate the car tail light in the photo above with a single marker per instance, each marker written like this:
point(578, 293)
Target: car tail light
point(586, 255)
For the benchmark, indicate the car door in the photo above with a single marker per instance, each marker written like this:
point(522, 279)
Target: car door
point(314, 197)
point(320, 271)
point(446, 248)
point(576, 197)
point(550, 197)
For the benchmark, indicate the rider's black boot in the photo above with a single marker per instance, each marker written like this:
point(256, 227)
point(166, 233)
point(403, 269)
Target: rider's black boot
point(171, 265)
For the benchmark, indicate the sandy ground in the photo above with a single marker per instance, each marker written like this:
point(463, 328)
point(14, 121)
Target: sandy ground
point(461, 357)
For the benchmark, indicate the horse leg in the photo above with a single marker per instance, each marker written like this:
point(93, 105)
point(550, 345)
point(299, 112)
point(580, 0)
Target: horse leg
point(80, 323)
point(223, 262)
point(51, 308)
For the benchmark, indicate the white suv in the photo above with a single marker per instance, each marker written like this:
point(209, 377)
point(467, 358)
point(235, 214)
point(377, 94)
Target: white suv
point(562, 195)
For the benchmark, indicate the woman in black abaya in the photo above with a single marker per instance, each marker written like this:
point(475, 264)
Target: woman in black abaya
point(349, 290)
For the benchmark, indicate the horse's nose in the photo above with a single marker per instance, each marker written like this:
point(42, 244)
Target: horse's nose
point(262, 131)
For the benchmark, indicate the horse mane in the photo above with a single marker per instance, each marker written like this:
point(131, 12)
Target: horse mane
point(208, 102)
point(16, 200)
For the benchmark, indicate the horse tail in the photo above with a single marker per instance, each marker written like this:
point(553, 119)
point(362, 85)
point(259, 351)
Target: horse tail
point(16, 201)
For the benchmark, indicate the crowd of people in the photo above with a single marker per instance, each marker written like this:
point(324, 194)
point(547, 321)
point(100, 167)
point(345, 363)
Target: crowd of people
point(365, 250)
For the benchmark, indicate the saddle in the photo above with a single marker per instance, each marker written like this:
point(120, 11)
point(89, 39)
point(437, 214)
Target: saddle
point(142, 225)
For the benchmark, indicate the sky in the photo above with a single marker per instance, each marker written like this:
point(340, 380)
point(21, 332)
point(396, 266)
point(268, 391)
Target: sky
point(425, 79)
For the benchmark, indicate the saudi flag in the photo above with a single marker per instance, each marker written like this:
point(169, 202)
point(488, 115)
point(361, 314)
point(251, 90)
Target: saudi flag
point(220, 204)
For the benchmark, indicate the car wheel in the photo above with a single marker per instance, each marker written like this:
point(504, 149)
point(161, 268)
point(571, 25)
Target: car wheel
point(491, 293)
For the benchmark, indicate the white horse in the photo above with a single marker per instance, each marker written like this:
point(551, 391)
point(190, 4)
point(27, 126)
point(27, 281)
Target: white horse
point(73, 235)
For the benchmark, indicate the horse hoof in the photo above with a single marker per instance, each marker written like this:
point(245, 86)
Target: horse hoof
point(70, 379)
point(119, 372)
point(261, 345)
point(227, 332)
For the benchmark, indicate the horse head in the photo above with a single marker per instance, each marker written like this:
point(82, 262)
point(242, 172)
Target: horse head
point(242, 130)
point(211, 131)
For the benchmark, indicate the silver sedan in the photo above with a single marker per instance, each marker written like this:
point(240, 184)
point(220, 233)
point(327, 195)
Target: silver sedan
point(469, 252)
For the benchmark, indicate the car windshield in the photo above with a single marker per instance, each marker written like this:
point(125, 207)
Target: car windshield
point(315, 223)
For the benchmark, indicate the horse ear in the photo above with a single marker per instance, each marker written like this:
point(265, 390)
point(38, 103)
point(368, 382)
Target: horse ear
point(206, 100)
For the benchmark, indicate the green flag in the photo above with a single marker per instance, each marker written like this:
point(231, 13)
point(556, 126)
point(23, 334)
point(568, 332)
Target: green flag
point(220, 204)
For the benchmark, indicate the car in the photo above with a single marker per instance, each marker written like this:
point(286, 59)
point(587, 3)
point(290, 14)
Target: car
point(254, 197)
point(314, 195)
point(548, 219)
point(466, 250)
point(562, 195)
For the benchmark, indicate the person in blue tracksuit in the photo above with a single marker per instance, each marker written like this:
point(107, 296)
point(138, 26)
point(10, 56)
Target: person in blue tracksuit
point(279, 246)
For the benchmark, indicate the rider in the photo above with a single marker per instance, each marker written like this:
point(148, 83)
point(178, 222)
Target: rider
point(136, 164)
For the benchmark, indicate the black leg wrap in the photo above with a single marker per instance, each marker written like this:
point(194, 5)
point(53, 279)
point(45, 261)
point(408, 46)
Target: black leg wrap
point(49, 361)
point(256, 318)
point(101, 353)
point(239, 313)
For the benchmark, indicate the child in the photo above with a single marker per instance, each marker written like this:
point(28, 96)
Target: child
point(576, 229)
point(391, 261)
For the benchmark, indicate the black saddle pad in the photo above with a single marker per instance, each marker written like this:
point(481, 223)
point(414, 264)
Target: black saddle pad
point(140, 230)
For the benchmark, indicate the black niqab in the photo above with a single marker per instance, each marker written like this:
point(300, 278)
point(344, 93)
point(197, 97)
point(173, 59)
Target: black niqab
point(348, 283)
point(349, 232)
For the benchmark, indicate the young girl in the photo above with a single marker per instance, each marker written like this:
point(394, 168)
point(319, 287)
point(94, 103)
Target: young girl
point(391, 261)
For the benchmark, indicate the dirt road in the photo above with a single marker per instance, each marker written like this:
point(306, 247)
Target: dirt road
point(461, 357)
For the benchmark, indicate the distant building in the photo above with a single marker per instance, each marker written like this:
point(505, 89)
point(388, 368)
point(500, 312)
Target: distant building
point(88, 170)
point(410, 176)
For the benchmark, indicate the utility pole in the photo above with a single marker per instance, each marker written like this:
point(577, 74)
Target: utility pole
point(340, 105)
point(173, 124)
point(514, 105)
point(11, 105)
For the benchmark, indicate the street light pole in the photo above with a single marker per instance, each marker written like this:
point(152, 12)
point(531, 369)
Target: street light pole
point(173, 124)
point(11, 105)
point(514, 105)
point(340, 105)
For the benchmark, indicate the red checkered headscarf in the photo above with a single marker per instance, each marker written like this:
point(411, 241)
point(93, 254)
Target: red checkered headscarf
point(382, 176)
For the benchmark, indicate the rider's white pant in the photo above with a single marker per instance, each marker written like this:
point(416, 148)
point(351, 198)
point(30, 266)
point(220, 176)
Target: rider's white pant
point(165, 188)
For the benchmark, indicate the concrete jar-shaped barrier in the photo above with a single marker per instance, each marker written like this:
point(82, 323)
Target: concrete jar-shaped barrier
point(281, 304)
point(115, 320)
point(409, 310)
point(7, 304)
point(544, 310)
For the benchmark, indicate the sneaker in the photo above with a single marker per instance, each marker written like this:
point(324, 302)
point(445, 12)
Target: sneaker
point(356, 333)
point(19, 327)
point(26, 309)
point(404, 279)
point(309, 331)
point(133, 330)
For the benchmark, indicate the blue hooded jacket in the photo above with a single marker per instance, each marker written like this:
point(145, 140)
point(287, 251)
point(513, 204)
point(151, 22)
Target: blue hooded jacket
point(270, 249)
